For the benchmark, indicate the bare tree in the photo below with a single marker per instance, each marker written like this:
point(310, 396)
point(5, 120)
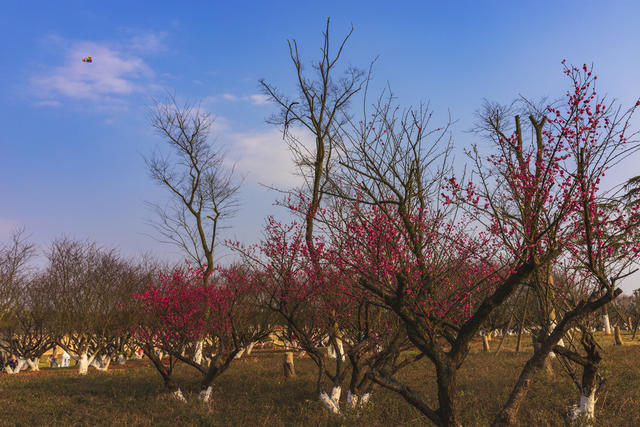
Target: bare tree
point(26, 332)
point(203, 189)
point(90, 288)
point(14, 259)
point(317, 109)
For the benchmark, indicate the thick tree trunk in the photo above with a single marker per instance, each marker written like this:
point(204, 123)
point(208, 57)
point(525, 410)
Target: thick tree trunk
point(239, 354)
point(83, 363)
point(331, 352)
point(198, 355)
point(101, 363)
point(548, 367)
point(587, 403)
point(34, 364)
point(485, 344)
point(607, 325)
point(250, 347)
point(446, 379)
point(205, 395)
point(331, 402)
point(288, 366)
point(618, 336)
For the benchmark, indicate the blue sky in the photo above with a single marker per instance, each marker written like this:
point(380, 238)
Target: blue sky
point(73, 134)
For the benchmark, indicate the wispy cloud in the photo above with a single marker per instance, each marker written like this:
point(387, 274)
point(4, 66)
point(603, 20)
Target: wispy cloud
point(48, 103)
point(255, 99)
point(118, 70)
point(264, 157)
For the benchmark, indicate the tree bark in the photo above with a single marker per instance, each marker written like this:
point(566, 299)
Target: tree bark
point(288, 366)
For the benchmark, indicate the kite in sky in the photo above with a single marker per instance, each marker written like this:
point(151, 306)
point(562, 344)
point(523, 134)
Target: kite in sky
point(87, 59)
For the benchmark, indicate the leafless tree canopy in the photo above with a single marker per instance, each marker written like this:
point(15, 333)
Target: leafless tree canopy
point(14, 258)
point(203, 189)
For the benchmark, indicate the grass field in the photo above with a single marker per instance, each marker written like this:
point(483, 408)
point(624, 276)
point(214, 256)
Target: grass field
point(253, 392)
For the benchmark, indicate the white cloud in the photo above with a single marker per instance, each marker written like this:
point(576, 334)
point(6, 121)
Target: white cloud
point(259, 99)
point(48, 103)
point(117, 70)
point(147, 42)
point(229, 97)
point(255, 99)
point(264, 157)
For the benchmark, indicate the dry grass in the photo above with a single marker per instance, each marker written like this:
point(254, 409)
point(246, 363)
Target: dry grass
point(253, 392)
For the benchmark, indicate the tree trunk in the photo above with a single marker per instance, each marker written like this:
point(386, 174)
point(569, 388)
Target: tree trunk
point(618, 336)
point(288, 366)
point(485, 344)
point(524, 315)
point(205, 395)
point(250, 347)
point(101, 363)
point(546, 364)
point(331, 352)
point(607, 325)
point(83, 364)
point(239, 354)
point(34, 363)
point(330, 402)
point(198, 355)
point(446, 379)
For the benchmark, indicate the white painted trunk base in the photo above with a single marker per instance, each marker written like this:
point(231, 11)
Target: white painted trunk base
point(329, 403)
point(336, 392)
point(365, 399)
point(83, 364)
point(331, 353)
point(607, 324)
point(586, 407)
point(198, 356)
point(179, 396)
point(354, 401)
point(250, 347)
point(122, 359)
point(102, 363)
point(34, 364)
point(239, 354)
point(205, 395)
point(10, 371)
point(341, 350)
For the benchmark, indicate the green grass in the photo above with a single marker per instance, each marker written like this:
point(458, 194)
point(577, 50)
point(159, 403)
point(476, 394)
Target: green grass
point(253, 392)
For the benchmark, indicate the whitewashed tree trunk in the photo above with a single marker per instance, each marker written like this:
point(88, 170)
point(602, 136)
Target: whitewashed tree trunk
point(607, 325)
point(122, 359)
point(329, 403)
point(352, 400)
point(250, 347)
point(198, 356)
point(83, 363)
point(365, 399)
point(239, 354)
point(585, 408)
point(11, 371)
point(22, 364)
point(102, 363)
point(331, 352)
point(336, 392)
point(340, 351)
point(205, 395)
point(34, 364)
point(179, 396)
